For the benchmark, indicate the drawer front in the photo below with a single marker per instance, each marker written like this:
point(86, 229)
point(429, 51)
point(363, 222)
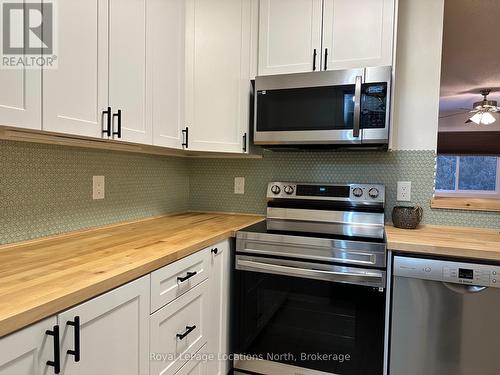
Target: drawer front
point(195, 366)
point(177, 278)
point(178, 331)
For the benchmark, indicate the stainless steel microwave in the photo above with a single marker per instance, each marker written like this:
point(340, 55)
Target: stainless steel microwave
point(331, 108)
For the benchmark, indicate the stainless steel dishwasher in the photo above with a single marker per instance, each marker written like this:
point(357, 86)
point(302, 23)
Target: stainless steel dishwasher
point(445, 318)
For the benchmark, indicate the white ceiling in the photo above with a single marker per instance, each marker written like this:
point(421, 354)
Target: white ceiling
point(471, 59)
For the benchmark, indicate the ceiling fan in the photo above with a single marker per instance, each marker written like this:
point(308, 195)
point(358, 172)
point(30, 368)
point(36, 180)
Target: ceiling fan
point(482, 110)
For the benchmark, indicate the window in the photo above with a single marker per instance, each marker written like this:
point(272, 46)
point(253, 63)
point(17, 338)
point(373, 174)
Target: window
point(468, 176)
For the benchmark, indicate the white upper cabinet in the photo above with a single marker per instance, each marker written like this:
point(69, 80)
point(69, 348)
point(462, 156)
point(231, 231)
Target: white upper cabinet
point(21, 91)
point(358, 33)
point(127, 70)
point(113, 333)
point(76, 93)
point(289, 36)
point(165, 70)
point(218, 72)
point(21, 98)
point(298, 36)
point(26, 352)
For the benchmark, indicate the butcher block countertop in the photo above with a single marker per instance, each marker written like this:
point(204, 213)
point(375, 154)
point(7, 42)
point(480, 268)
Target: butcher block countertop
point(43, 277)
point(473, 243)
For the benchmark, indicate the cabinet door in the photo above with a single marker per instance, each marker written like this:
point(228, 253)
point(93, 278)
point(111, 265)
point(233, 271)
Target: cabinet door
point(165, 70)
point(179, 330)
point(21, 91)
point(358, 33)
point(114, 333)
point(218, 60)
point(218, 311)
point(26, 352)
point(76, 93)
point(289, 34)
point(127, 69)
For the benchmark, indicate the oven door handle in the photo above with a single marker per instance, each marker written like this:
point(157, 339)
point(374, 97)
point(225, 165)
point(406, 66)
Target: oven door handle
point(334, 276)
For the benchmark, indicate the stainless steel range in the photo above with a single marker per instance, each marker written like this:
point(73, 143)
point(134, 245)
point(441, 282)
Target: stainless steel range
point(310, 283)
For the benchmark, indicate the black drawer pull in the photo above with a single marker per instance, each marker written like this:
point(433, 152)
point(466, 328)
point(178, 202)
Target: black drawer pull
point(189, 329)
point(119, 115)
point(185, 136)
point(56, 363)
point(76, 352)
point(326, 59)
point(187, 277)
point(314, 60)
point(108, 115)
point(215, 251)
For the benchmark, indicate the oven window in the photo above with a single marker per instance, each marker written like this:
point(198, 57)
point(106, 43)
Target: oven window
point(315, 108)
point(331, 327)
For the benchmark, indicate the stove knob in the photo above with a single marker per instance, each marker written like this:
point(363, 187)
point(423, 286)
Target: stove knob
point(275, 189)
point(358, 192)
point(373, 193)
point(288, 189)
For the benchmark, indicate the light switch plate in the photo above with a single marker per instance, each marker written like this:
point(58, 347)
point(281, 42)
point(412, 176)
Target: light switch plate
point(239, 185)
point(97, 187)
point(404, 191)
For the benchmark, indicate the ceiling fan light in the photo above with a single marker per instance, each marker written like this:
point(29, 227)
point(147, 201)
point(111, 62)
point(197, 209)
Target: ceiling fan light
point(482, 118)
point(476, 119)
point(487, 118)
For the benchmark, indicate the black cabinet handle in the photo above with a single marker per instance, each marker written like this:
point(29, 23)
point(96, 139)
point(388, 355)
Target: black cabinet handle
point(245, 142)
point(76, 352)
point(107, 130)
point(119, 115)
point(215, 251)
point(315, 53)
point(185, 134)
point(187, 277)
point(189, 329)
point(56, 363)
point(326, 59)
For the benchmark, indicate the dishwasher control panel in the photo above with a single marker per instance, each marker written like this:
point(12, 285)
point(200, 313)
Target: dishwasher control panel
point(447, 271)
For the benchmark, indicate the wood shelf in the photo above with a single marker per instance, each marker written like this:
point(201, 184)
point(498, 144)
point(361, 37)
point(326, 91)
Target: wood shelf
point(463, 203)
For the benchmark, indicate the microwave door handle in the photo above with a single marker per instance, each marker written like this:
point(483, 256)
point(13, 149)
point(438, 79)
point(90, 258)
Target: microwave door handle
point(357, 107)
point(352, 277)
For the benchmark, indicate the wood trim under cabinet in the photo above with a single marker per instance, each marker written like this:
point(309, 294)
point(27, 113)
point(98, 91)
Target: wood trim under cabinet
point(38, 136)
point(462, 203)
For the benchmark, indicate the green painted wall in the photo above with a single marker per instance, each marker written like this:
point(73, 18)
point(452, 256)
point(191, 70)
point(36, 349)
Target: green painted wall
point(46, 189)
point(212, 180)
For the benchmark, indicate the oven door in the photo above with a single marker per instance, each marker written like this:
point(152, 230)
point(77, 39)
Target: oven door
point(299, 317)
point(334, 107)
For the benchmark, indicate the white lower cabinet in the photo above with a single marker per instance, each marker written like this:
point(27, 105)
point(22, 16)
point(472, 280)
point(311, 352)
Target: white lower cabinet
point(218, 311)
point(114, 333)
point(178, 330)
point(194, 367)
point(26, 352)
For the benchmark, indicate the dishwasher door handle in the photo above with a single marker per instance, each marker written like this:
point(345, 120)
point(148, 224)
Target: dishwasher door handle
point(352, 277)
point(464, 289)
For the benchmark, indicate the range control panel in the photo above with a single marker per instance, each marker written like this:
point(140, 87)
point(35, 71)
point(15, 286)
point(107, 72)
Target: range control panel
point(446, 271)
point(349, 192)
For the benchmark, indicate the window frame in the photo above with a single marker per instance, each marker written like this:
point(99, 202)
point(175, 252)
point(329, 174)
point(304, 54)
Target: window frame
point(457, 193)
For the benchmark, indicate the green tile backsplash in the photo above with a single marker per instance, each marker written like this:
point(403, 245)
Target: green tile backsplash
point(212, 180)
point(46, 189)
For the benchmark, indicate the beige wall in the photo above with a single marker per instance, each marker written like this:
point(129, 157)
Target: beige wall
point(418, 68)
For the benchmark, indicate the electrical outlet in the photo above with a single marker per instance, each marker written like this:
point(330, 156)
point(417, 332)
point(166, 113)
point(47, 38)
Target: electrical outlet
point(404, 191)
point(239, 185)
point(97, 187)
